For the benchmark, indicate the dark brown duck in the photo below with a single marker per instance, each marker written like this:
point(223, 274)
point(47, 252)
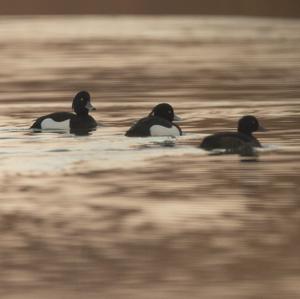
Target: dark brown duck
point(235, 141)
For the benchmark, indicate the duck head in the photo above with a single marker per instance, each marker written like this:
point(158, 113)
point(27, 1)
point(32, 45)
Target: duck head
point(82, 103)
point(165, 111)
point(249, 124)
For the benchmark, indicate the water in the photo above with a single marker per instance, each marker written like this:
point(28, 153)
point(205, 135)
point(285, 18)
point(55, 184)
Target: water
point(105, 216)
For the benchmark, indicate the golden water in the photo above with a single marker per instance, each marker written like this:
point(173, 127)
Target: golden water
point(105, 216)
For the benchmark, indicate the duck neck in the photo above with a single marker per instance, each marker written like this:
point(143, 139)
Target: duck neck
point(245, 132)
point(82, 114)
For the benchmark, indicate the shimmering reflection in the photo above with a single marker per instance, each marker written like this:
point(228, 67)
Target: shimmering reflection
point(115, 217)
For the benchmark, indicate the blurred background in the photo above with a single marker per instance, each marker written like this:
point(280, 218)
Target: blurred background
point(107, 217)
point(279, 8)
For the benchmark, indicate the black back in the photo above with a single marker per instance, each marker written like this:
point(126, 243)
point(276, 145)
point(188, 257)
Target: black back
point(56, 116)
point(162, 115)
point(142, 127)
point(228, 140)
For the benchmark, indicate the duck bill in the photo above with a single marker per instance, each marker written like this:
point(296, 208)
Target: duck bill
point(261, 129)
point(90, 107)
point(177, 118)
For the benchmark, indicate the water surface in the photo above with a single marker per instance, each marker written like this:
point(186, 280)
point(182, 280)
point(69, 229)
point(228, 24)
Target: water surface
point(105, 216)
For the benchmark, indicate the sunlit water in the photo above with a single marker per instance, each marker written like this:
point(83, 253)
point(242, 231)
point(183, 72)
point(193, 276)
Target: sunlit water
point(105, 216)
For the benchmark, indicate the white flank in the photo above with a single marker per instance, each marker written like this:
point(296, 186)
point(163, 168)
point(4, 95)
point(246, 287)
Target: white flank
point(157, 130)
point(50, 124)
